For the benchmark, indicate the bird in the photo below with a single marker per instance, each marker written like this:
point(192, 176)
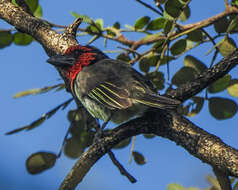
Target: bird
point(109, 89)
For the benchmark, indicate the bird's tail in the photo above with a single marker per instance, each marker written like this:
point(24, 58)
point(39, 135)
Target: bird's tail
point(157, 101)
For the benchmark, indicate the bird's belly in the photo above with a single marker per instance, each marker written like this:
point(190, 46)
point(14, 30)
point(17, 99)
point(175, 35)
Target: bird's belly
point(99, 111)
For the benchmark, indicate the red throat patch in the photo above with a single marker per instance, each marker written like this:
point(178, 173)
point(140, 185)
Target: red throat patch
point(84, 59)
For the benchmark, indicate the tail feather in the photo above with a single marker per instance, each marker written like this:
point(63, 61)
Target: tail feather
point(158, 101)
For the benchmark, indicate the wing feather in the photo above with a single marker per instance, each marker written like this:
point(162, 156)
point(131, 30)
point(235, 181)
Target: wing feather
point(111, 96)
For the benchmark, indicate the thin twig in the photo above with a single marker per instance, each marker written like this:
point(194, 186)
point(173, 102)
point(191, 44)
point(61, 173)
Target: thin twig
point(121, 168)
point(129, 50)
point(44, 116)
point(158, 4)
point(226, 4)
point(64, 141)
point(168, 70)
point(210, 38)
point(132, 148)
point(150, 7)
point(214, 58)
point(137, 58)
point(223, 179)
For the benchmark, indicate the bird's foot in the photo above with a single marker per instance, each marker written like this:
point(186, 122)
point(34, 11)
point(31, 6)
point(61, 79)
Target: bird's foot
point(99, 134)
point(98, 138)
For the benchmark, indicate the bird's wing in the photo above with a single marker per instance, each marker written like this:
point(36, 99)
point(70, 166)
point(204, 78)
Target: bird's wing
point(157, 101)
point(111, 96)
point(119, 86)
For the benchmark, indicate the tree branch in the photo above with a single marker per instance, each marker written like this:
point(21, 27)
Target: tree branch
point(223, 179)
point(185, 29)
point(121, 168)
point(206, 147)
point(206, 78)
point(52, 42)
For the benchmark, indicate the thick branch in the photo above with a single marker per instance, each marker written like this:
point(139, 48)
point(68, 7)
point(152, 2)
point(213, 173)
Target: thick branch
point(52, 41)
point(206, 147)
point(191, 88)
point(196, 141)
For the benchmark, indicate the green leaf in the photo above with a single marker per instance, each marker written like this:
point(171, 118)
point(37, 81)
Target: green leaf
point(234, 2)
point(222, 108)
point(22, 39)
point(130, 27)
point(40, 161)
point(94, 38)
point(233, 88)
point(74, 148)
point(123, 57)
point(195, 36)
point(92, 29)
point(38, 12)
point(139, 158)
point(32, 4)
point(227, 46)
point(39, 121)
point(167, 16)
point(156, 24)
point(85, 18)
point(116, 25)
point(149, 60)
point(166, 59)
point(189, 44)
point(173, 8)
point(100, 23)
point(193, 62)
point(123, 144)
point(219, 85)
point(36, 123)
point(14, 2)
point(158, 46)
point(144, 65)
point(142, 22)
point(168, 26)
point(36, 91)
point(5, 38)
point(157, 78)
point(213, 181)
point(221, 25)
point(185, 14)
point(184, 75)
point(174, 186)
point(33, 125)
point(178, 47)
point(233, 26)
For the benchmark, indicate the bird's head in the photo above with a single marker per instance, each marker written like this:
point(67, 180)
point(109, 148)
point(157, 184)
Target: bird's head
point(74, 59)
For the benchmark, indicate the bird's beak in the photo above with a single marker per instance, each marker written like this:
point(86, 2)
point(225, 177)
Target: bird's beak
point(61, 60)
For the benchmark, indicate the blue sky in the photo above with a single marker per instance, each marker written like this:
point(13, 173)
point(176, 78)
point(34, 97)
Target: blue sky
point(24, 68)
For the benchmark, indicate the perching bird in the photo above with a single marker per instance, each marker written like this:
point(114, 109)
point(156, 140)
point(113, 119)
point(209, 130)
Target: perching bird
point(109, 89)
